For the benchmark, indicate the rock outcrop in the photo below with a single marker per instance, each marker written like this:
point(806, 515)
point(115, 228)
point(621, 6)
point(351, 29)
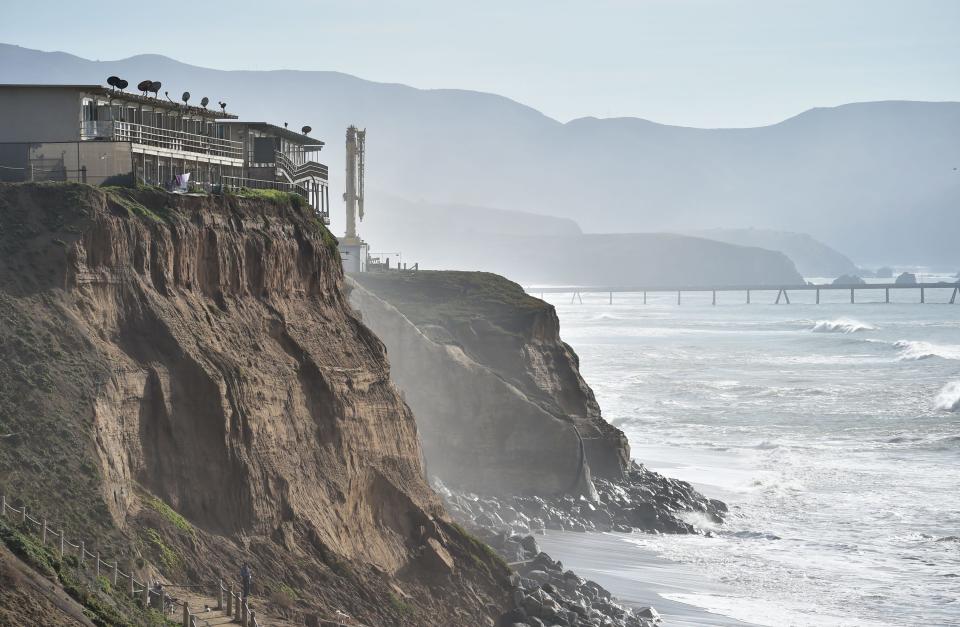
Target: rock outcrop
point(848, 279)
point(498, 396)
point(906, 278)
point(188, 384)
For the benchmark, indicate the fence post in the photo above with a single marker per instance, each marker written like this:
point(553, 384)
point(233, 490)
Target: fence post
point(230, 602)
point(23, 512)
point(98, 565)
point(43, 536)
point(243, 614)
point(186, 615)
point(83, 551)
point(116, 569)
point(62, 539)
point(3, 504)
point(220, 594)
point(131, 581)
point(146, 595)
point(236, 607)
point(253, 619)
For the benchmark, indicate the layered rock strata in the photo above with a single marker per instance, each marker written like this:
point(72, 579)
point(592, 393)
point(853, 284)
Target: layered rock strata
point(186, 382)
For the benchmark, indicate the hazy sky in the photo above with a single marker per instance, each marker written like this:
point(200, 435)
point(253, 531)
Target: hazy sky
point(688, 62)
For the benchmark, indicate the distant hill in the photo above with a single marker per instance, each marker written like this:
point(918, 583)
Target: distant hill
point(877, 180)
point(812, 258)
point(535, 249)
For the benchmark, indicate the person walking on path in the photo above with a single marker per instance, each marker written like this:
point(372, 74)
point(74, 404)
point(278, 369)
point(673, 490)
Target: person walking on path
point(246, 577)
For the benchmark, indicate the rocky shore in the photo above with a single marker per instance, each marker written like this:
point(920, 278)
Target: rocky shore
point(544, 593)
point(644, 500)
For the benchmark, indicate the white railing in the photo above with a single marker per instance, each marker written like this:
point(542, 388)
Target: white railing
point(236, 606)
point(296, 172)
point(161, 138)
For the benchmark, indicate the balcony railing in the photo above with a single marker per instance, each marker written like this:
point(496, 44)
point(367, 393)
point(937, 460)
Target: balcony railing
point(161, 138)
point(308, 169)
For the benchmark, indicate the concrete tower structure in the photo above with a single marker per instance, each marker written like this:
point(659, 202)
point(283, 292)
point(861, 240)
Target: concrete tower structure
point(353, 250)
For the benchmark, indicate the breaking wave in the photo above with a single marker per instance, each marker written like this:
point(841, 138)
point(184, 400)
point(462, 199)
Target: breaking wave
point(949, 397)
point(912, 351)
point(841, 325)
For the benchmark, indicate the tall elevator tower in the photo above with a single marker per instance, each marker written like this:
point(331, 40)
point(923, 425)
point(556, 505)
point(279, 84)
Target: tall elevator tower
point(353, 250)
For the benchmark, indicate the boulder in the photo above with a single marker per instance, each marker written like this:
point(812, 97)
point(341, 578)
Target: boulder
point(906, 278)
point(649, 613)
point(437, 557)
point(530, 545)
point(849, 279)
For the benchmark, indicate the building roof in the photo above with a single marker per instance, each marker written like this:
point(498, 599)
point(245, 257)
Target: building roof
point(286, 133)
point(149, 100)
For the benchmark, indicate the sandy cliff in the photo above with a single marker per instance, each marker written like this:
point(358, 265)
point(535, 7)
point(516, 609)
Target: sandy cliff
point(199, 353)
point(498, 396)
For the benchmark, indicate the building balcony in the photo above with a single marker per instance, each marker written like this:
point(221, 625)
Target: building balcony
point(161, 138)
point(299, 171)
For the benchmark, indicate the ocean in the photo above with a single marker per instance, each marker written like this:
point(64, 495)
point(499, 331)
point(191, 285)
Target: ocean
point(832, 431)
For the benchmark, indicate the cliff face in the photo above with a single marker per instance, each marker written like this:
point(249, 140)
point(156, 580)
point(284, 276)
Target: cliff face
point(498, 396)
point(199, 352)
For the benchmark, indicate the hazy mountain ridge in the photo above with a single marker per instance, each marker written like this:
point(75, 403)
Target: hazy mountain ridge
point(874, 179)
point(812, 258)
point(536, 249)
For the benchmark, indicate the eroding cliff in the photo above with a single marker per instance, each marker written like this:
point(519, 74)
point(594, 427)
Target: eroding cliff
point(195, 357)
point(498, 396)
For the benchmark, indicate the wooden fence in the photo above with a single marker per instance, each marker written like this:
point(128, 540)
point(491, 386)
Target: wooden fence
point(235, 606)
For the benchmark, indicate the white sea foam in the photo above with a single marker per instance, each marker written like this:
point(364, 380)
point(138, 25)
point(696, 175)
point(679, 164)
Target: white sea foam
point(913, 351)
point(841, 325)
point(699, 520)
point(949, 397)
point(761, 612)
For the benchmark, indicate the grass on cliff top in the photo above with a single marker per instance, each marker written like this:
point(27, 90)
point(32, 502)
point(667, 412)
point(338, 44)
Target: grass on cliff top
point(452, 296)
point(273, 195)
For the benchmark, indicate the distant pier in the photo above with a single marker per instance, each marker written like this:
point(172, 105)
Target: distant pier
point(783, 292)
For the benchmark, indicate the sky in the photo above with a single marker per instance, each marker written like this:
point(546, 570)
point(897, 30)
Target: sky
point(705, 63)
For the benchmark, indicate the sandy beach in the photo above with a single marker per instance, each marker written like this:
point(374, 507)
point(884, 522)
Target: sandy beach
point(636, 576)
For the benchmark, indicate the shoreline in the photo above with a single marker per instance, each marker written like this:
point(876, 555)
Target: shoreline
point(637, 577)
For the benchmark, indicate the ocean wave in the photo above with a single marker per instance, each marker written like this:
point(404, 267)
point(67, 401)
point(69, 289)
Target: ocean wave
point(752, 535)
point(914, 351)
point(778, 485)
point(949, 397)
point(766, 445)
point(841, 325)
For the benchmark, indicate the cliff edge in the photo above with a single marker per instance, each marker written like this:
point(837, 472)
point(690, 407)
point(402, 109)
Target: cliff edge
point(182, 378)
point(498, 396)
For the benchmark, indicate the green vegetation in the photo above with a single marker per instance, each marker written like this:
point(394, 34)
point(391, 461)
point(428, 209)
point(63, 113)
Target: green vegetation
point(165, 554)
point(283, 595)
point(328, 239)
point(400, 605)
point(273, 195)
point(169, 514)
point(29, 550)
point(130, 199)
point(102, 604)
point(478, 547)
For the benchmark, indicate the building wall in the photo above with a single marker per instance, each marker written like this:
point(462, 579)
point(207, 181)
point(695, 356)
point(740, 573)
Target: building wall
point(35, 114)
point(89, 162)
